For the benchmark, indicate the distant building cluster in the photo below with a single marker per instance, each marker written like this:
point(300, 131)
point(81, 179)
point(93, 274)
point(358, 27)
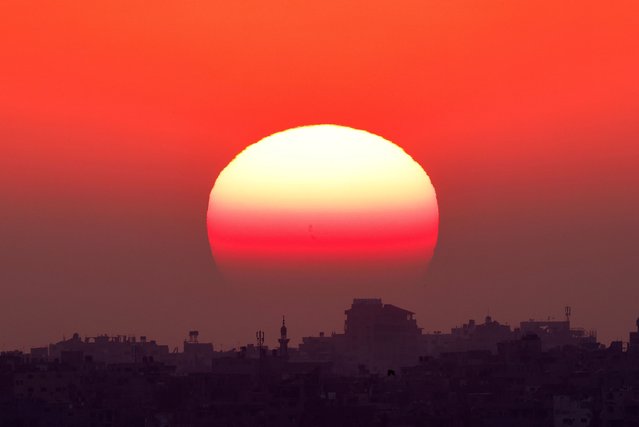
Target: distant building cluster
point(383, 336)
point(194, 357)
point(381, 371)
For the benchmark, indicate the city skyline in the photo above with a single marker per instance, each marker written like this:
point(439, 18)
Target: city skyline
point(272, 337)
point(381, 371)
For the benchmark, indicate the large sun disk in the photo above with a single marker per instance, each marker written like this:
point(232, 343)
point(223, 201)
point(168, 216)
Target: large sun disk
point(324, 192)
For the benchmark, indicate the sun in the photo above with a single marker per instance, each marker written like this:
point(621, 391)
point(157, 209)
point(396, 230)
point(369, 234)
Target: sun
point(321, 197)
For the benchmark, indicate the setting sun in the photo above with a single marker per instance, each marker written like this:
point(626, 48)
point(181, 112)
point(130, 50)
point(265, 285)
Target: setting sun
point(321, 194)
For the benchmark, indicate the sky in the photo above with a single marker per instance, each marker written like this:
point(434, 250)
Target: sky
point(116, 118)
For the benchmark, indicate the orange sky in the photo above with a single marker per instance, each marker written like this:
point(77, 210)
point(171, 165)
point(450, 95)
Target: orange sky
point(116, 117)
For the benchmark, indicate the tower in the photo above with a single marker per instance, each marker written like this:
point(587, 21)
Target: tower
point(633, 344)
point(283, 352)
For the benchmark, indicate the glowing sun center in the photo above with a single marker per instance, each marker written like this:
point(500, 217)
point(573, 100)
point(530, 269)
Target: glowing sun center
point(321, 194)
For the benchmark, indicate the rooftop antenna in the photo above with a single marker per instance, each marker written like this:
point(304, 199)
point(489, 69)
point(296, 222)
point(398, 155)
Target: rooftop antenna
point(568, 312)
point(260, 338)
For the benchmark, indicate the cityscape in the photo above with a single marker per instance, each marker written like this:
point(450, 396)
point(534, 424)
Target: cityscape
point(319, 214)
point(382, 370)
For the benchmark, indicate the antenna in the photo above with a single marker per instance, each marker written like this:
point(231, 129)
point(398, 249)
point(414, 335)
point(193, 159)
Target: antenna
point(568, 311)
point(260, 338)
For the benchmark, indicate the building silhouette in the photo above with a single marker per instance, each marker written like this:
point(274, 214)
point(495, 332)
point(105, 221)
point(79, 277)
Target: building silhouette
point(283, 340)
point(195, 356)
point(379, 337)
point(381, 371)
point(633, 341)
point(376, 336)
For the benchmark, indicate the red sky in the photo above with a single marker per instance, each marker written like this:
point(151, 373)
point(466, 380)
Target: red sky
point(116, 117)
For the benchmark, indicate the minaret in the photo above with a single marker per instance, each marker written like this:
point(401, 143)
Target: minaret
point(633, 344)
point(283, 340)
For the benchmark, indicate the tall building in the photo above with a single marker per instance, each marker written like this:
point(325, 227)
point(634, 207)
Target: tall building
point(380, 336)
point(377, 337)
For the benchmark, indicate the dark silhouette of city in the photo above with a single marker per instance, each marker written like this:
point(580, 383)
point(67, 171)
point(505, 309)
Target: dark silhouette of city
point(382, 370)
